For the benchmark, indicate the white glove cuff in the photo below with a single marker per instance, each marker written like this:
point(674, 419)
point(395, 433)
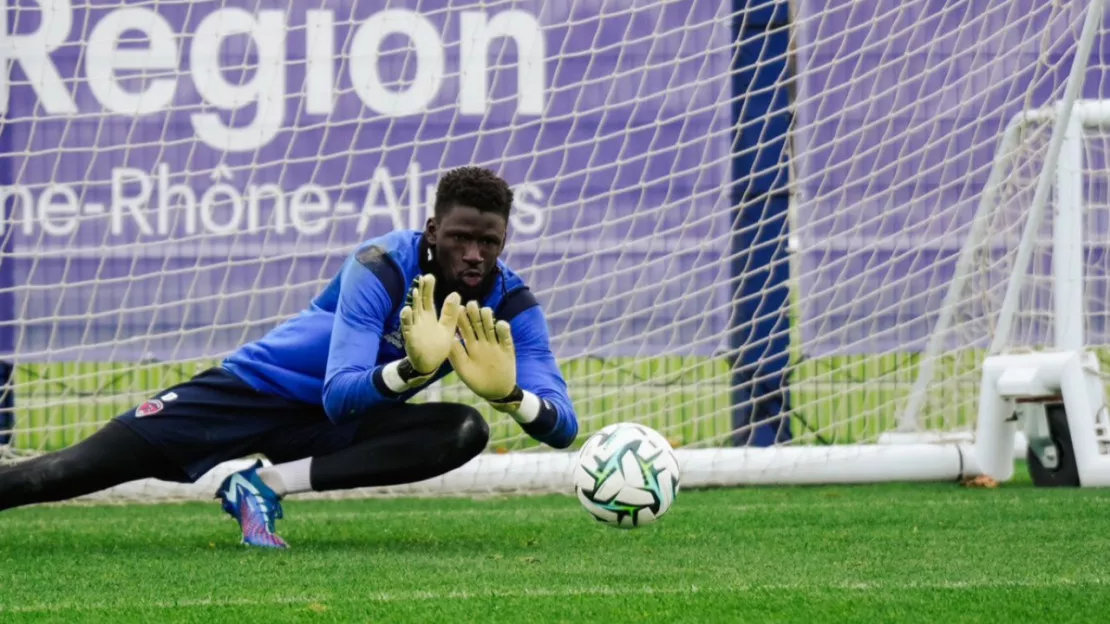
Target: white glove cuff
point(392, 378)
point(529, 409)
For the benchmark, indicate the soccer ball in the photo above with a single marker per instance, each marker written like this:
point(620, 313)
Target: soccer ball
point(626, 475)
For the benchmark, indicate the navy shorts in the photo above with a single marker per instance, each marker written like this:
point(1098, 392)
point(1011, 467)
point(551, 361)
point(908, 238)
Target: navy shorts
point(215, 417)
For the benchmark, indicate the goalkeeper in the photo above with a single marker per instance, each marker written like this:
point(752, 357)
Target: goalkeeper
point(324, 395)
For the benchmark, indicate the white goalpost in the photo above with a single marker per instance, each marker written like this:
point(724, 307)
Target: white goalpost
point(808, 242)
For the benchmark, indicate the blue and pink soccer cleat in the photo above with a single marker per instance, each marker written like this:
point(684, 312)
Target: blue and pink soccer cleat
point(254, 505)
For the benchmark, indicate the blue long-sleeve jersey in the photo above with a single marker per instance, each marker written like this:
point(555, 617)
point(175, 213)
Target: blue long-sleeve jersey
point(333, 352)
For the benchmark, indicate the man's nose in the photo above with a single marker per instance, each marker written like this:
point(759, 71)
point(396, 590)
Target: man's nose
point(471, 254)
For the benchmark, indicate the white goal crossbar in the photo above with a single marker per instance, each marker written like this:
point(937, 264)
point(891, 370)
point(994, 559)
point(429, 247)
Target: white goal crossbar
point(550, 472)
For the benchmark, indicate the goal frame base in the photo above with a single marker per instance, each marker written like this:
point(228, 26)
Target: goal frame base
point(550, 472)
point(1058, 400)
point(1051, 459)
point(1021, 443)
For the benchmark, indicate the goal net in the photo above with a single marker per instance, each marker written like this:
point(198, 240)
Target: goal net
point(743, 219)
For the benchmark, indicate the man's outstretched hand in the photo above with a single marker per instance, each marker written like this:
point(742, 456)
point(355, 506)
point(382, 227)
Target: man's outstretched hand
point(486, 359)
point(428, 340)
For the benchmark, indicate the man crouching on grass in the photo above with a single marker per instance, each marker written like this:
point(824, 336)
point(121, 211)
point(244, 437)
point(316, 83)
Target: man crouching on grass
point(324, 394)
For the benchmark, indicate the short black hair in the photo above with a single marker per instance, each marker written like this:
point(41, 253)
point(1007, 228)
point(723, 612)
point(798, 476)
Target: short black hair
point(476, 187)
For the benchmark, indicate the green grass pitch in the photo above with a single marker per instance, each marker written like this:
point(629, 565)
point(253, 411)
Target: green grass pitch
point(922, 552)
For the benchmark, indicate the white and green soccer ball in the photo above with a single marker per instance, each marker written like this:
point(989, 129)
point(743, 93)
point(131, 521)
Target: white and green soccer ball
point(626, 475)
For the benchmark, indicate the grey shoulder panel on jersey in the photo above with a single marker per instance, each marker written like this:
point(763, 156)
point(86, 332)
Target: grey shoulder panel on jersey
point(385, 268)
point(517, 301)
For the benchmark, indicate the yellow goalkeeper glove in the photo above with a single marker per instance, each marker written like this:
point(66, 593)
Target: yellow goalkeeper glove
point(428, 339)
point(486, 359)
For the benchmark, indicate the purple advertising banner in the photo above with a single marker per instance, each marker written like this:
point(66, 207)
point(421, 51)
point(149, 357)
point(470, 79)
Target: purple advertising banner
point(900, 108)
point(184, 175)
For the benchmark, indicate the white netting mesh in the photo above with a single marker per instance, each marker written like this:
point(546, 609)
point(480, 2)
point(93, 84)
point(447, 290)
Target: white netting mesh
point(180, 176)
point(977, 312)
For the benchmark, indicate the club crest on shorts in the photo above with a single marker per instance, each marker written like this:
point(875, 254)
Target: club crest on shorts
point(152, 406)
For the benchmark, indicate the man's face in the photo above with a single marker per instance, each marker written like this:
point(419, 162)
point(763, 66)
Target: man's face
point(467, 243)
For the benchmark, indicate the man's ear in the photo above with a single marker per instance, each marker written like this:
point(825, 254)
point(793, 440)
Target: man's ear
point(430, 230)
point(505, 240)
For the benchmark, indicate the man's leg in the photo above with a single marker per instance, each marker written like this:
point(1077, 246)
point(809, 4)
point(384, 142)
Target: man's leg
point(178, 436)
point(111, 456)
point(402, 444)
